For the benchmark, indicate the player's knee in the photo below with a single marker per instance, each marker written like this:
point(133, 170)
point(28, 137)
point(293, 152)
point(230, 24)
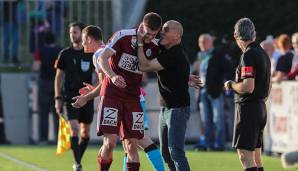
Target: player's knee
point(244, 158)
point(131, 145)
point(110, 144)
point(85, 133)
point(74, 131)
point(258, 161)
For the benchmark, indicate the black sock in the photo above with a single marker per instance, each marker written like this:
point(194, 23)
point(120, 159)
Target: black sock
point(75, 149)
point(82, 146)
point(251, 169)
point(260, 168)
point(150, 148)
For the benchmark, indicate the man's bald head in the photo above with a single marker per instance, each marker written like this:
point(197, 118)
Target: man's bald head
point(176, 26)
point(205, 36)
point(267, 45)
point(205, 42)
point(171, 33)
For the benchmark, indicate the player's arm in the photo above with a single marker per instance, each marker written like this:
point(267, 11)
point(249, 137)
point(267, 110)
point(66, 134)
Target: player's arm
point(145, 64)
point(244, 87)
point(58, 87)
point(91, 92)
point(95, 92)
point(114, 46)
point(103, 60)
point(247, 85)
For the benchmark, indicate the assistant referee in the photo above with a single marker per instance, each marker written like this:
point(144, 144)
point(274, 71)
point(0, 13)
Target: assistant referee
point(252, 86)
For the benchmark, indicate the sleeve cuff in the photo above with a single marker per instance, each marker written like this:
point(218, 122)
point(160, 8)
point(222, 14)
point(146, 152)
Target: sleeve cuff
point(110, 48)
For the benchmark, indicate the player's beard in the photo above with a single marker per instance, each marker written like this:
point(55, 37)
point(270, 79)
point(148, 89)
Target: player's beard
point(76, 40)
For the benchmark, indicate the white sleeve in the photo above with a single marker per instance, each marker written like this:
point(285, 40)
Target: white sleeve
point(95, 63)
point(115, 41)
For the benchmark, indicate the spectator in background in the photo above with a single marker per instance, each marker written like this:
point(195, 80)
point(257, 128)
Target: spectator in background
point(38, 26)
point(277, 52)
point(290, 159)
point(268, 46)
point(55, 11)
point(232, 56)
point(284, 63)
point(211, 65)
point(10, 38)
point(46, 102)
point(294, 70)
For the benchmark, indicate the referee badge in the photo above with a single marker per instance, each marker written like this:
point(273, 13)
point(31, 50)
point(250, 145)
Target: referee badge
point(148, 52)
point(85, 65)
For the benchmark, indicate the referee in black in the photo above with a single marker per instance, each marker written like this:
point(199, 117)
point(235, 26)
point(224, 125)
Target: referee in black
point(74, 67)
point(252, 86)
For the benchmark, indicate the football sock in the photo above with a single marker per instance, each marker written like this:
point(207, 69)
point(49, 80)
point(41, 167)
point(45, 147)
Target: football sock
point(146, 124)
point(251, 169)
point(154, 156)
point(104, 165)
point(82, 146)
point(133, 166)
point(124, 161)
point(75, 149)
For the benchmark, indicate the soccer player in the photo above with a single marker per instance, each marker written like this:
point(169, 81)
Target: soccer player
point(120, 104)
point(92, 41)
point(252, 87)
point(73, 68)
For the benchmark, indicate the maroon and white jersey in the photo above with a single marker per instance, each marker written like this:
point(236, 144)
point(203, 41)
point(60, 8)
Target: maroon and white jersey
point(96, 55)
point(124, 62)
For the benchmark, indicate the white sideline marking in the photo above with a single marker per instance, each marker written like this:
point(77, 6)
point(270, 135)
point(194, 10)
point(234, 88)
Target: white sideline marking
point(20, 162)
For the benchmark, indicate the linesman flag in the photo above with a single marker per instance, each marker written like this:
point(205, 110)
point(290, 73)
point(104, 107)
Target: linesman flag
point(63, 136)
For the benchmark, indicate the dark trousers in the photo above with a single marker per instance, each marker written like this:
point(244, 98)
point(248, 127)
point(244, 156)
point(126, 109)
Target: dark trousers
point(46, 104)
point(10, 40)
point(172, 128)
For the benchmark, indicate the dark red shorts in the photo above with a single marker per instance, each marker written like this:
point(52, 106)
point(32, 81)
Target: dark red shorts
point(120, 117)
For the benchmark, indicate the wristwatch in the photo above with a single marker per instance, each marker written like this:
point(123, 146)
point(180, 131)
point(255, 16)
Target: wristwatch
point(230, 85)
point(140, 43)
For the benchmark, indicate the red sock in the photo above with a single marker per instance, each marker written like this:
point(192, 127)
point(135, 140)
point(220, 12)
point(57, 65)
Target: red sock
point(132, 166)
point(104, 165)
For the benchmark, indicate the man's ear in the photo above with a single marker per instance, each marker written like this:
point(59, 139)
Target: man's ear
point(89, 40)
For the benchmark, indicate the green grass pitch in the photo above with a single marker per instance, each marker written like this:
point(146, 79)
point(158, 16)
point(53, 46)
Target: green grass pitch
point(44, 157)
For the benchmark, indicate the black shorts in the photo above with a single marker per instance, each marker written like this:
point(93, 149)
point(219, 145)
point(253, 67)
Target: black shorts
point(83, 115)
point(250, 120)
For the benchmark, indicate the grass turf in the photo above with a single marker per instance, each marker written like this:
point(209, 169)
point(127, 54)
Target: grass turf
point(44, 157)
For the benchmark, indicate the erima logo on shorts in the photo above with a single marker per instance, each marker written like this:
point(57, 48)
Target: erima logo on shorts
point(110, 116)
point(138, 121)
